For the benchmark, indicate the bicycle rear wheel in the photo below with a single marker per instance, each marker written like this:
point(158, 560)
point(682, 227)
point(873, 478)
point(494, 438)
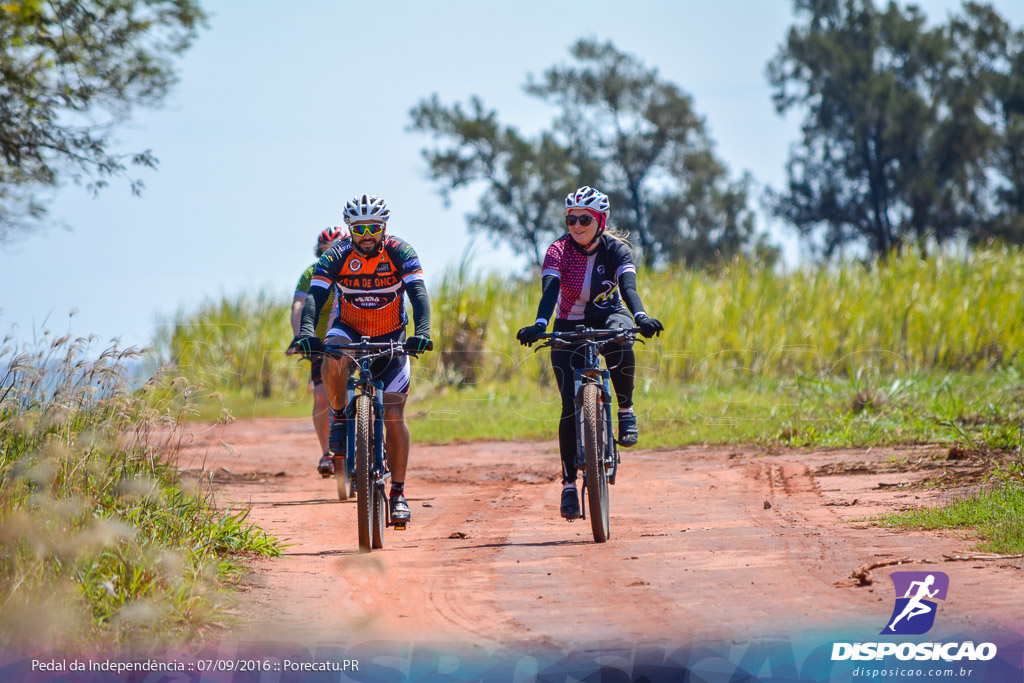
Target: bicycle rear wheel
point(342, 479)
point(597, 480)
point(365, 495)
point(379, 501)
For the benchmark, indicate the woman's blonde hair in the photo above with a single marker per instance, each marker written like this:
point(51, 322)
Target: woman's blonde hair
point(618, 234)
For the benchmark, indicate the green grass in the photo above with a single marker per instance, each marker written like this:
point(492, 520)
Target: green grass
point(100, 542)
point(234, 345)
point(985, 411)
point(995, 516)
point(243, 405)
point(982, 410)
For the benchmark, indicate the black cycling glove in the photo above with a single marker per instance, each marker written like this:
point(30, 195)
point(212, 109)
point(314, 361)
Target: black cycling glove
point(308, 345)
point(418, 344)
point(649, 326)
point(528, 335)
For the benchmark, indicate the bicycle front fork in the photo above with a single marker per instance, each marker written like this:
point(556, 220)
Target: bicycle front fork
point(611, 452)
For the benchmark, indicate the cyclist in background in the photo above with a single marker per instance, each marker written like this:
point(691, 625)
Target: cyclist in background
point(588, 273)
point(321, 406)
point(373, 271)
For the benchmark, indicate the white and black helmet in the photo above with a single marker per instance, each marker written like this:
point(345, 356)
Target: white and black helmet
point(367, 207)
point(587, 197)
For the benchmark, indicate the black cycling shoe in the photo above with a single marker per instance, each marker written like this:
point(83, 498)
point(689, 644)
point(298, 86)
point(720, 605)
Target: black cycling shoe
point(628, 434)
point(338, 441)
point(570, 504)
point(326, 466)
point(400, 511)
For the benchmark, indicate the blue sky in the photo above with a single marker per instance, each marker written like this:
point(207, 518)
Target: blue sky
point(285, 111)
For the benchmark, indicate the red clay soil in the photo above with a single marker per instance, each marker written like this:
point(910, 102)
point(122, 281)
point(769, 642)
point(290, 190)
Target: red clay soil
point(706, 542)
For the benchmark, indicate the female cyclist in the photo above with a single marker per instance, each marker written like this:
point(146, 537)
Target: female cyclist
point(589, 273)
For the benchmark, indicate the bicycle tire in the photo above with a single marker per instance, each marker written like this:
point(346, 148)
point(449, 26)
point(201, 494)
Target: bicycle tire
point(342, 479)
point(365, 495)
point(379, 501)
point(597, 478)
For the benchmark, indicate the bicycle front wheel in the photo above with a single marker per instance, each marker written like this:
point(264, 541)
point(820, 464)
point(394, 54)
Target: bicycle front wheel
point(366, 496)
point(597, 479)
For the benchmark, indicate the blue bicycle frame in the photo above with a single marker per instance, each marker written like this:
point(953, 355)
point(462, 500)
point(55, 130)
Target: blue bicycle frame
point(365, 384)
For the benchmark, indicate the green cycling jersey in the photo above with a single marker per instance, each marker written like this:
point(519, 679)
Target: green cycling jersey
point(330, 306)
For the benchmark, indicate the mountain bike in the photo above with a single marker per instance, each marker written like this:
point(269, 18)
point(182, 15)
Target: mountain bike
point(597, 453)
point(365, 465)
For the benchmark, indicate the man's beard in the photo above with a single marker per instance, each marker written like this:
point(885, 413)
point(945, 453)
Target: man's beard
point(373, 250)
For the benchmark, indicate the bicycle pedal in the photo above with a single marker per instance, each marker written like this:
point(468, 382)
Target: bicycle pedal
point(399, 526)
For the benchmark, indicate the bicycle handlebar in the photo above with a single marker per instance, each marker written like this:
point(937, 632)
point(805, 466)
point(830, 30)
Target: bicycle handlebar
point(587, 335)
point(365, 348)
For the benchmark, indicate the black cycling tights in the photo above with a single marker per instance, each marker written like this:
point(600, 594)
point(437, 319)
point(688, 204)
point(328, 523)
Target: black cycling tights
point(621, 363)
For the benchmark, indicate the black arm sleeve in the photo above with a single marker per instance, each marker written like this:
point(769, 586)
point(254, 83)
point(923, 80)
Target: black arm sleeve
point(420, 307)
point(549, 296)
point(627, 286)
point(311, 311)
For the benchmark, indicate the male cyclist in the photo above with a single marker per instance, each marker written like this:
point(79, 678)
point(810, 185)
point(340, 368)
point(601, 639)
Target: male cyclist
point(321, 406)
point(372, 270)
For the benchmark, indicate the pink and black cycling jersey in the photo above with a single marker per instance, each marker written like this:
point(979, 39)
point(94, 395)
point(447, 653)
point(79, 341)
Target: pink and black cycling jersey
point(588, 283)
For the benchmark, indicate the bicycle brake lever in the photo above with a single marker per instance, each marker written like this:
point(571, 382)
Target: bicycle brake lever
point(626, 334)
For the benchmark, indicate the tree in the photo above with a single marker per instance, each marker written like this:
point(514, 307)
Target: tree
point(990, 50)
point(521, 176)
point(1007, 220)
point(639, 134)
point(619, 127)
point(70, 72)
point(895, 143)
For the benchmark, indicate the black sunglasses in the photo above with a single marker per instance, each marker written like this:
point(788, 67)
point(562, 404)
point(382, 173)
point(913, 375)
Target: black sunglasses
point(583, 220)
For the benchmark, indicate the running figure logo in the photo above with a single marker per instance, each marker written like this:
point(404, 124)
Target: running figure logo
point(914, 612)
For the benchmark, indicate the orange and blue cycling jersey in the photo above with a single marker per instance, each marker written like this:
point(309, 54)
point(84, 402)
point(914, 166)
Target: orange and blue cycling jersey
point(372, 288)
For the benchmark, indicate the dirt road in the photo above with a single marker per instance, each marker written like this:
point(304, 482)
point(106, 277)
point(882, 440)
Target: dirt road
point(706, 543)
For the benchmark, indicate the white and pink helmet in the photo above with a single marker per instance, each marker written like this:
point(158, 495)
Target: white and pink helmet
point(587, 197)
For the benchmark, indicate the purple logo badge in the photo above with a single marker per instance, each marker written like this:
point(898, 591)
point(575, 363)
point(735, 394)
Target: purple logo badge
point(916, 592)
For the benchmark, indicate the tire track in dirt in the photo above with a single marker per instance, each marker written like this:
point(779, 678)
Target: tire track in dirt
point(694, 551)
